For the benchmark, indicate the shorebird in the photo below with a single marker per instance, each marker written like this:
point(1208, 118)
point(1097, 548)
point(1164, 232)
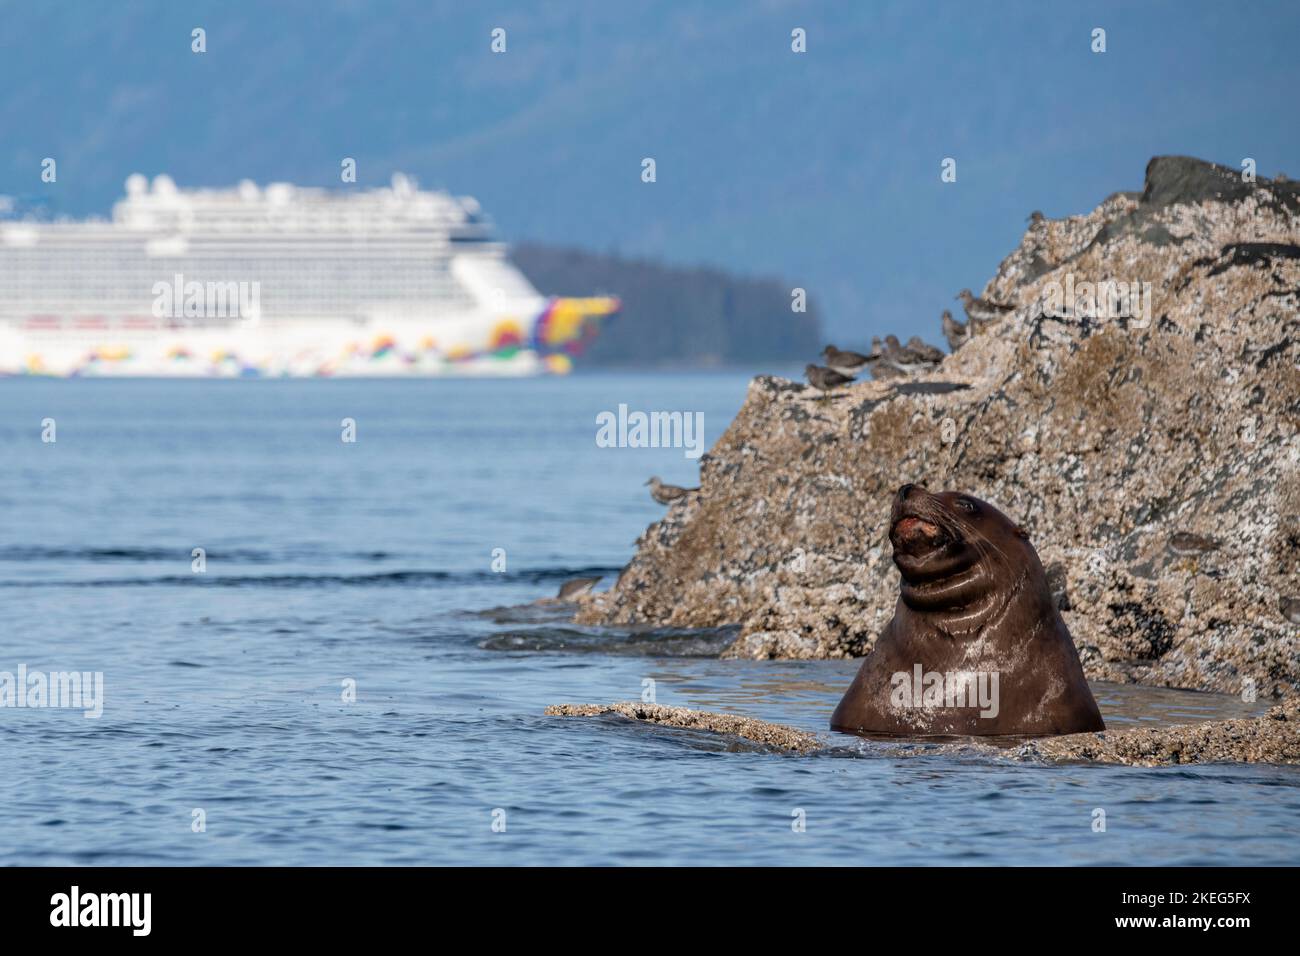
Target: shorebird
point(667, 494)
point(910, 359)
point(881, 366)
point(1191, 548)
point(1188, 545)
point(925, 350)
point(825, 379)
point(575, 588)
point(982, 312)
point(955, 332)
point(850, 363)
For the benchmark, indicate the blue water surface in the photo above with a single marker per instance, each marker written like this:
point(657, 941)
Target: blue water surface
point(370, 562)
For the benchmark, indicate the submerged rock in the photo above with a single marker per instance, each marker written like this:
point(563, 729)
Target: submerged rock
point(1105, 435)
point(759, 731)
point(1272, 738)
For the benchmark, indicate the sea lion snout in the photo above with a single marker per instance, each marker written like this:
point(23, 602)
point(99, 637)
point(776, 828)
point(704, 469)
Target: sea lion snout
point(907, 504)
point(916, 535)
point(938, 536)
point(912, 529)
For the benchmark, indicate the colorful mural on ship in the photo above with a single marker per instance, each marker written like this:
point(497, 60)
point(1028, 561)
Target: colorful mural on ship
point(547, 344)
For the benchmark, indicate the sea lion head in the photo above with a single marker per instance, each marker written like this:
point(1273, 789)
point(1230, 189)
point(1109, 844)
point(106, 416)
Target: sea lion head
point(956, 552)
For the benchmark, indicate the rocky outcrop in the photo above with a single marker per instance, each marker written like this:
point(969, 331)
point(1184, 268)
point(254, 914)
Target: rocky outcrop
point(1153, 456)
point(1272, 738)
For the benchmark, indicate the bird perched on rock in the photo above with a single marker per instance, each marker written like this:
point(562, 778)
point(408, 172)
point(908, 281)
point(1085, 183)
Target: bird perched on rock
point(1191, 548)
point(885, 366)
point(850, 363)
point(911, 359)
point(955, 332)
point(667, 494)
point(927, 352)
point(982, 312)
point(881, 367)
point(825, 379)
point(1188, 545)
point(574, 588)
point(1036, 217)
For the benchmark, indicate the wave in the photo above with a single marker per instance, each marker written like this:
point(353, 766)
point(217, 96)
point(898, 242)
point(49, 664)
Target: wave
point(377, 579)
point(29, 554)
point(653, 642)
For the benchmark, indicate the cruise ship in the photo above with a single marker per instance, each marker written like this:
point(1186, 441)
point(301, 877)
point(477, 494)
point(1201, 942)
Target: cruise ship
point(278, 281)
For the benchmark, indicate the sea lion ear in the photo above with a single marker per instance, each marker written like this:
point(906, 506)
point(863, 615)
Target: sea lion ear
point(1020, 532)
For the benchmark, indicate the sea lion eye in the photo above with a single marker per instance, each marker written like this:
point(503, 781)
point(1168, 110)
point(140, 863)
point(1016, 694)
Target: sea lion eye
point(965, 504)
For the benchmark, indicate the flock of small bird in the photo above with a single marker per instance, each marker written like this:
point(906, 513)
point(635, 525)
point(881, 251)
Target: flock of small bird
point(887, 359)
point(980, 314)
point(891, 359)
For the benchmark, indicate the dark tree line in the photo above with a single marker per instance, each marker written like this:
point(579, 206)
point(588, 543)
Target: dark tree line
point(675, 315)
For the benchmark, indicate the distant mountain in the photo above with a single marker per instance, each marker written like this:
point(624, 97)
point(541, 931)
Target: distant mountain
point(677, 316)
point(820, 167)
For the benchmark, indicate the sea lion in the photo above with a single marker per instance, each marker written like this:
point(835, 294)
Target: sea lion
point(976, 646)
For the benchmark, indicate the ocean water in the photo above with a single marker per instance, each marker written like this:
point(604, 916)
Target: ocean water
point(370, 564)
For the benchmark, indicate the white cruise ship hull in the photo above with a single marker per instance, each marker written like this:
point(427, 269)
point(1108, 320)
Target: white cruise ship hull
point(281, 281)
point(73, 345)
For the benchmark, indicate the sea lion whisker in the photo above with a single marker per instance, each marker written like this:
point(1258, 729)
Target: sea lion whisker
point(987, 543)
point(977, 537)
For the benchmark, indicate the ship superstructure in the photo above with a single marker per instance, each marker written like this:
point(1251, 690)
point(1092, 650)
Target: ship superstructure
point(281, 280)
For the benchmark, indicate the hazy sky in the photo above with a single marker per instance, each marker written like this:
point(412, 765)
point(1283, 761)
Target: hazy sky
point(821, 168)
